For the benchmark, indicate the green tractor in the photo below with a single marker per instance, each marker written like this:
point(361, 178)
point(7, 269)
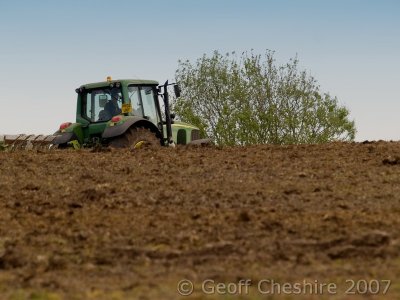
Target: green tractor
point(120, 114)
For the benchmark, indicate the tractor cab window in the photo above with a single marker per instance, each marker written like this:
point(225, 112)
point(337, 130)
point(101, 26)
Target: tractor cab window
point(143, 102)
point(134, 98)
point(100, 105)
point(149, 106)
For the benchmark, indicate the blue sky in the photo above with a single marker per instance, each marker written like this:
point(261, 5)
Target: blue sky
point(48, 48)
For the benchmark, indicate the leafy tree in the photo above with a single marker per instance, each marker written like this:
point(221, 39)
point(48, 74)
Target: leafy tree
point(251, 100)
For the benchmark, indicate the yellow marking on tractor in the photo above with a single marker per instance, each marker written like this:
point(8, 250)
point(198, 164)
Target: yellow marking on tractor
point(139, 145)
point(126, 108)
point(75, 144)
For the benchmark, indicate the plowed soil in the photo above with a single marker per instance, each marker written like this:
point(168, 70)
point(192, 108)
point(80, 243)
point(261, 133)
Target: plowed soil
point(131, 225)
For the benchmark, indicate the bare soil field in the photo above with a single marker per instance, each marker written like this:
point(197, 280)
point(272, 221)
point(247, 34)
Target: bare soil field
point(131, 225)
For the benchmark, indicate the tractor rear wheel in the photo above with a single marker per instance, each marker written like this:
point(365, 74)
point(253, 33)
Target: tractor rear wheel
point(136, 138)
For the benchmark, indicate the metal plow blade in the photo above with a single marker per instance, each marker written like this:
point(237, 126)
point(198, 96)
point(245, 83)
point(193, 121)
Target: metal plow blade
point(2, 145)
point(27, 142)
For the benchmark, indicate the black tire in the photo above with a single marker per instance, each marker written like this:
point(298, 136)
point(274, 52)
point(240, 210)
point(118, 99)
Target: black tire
point(135, 138)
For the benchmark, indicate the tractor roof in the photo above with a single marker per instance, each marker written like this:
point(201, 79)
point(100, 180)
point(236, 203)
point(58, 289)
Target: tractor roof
point(122, 81)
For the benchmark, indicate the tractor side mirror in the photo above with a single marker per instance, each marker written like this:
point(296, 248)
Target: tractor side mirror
point(173, 116)
point(177, 91)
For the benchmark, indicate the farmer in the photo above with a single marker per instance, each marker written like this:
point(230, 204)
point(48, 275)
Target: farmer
point(112, 107)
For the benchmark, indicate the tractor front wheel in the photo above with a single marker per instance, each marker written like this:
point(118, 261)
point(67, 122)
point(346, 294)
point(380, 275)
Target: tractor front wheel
point(136, 138)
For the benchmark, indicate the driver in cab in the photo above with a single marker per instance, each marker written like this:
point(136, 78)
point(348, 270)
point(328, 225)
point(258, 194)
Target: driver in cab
point(112, 107)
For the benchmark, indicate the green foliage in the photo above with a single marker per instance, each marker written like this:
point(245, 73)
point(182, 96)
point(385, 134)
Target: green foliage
point(250, 100)
point(2, 146)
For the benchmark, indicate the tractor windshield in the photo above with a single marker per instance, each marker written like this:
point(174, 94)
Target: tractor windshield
point(100, 105)
point(143, 102)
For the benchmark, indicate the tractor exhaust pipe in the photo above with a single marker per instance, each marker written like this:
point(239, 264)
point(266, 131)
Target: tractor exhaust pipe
point(168, 117)
point(167, 114)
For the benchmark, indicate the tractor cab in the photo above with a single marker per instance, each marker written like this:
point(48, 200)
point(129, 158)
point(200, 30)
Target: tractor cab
point(99, 102)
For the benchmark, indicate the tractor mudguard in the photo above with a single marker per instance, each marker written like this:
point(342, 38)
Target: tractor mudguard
point(119, 128)
point(63, 138)
point(72, 132)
